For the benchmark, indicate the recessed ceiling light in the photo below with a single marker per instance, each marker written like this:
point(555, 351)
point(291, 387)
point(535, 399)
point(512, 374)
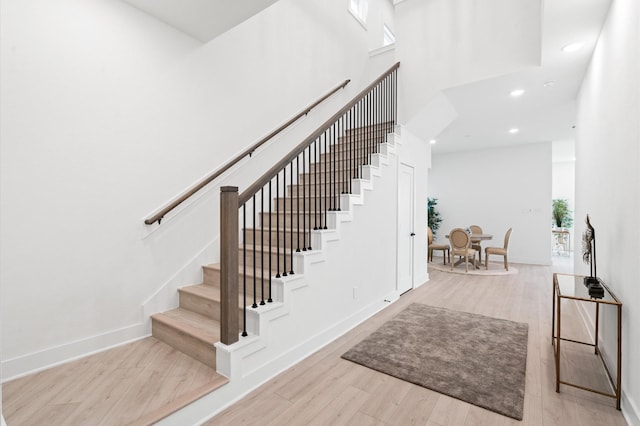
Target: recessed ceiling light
point(549, 83)
point(572, 47)
point(432, 141)
point(514, 130)
point(517, 92)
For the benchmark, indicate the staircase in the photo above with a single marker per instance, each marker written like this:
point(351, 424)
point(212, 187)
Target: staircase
point(281, 230)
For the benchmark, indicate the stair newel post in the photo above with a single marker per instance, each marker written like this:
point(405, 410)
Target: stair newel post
point(229, 266)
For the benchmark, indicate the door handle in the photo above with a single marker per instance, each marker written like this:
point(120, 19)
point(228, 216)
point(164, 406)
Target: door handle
point(413, 234)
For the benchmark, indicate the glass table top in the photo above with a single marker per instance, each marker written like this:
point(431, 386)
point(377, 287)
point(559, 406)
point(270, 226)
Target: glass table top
point(574, 286)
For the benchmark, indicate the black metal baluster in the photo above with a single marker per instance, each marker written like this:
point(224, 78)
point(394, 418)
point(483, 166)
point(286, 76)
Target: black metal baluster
point(315, 184)
point(255, 289)
point(284, 222)
point(369, 144)
point(326, 182)
point(262, 268)
point(336, 193)
point(351, 154)
point(343, 139)
point(277, 225)
point(291, 222)
point(244, 268)
point(356, 170)
point(298, 197)
point(270, 202)
point(306, 182)
point(378, 119)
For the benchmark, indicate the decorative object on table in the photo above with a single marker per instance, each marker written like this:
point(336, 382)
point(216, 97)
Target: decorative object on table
point(592, 282)
point(430, 347)
point(433, 216)
point(561, 214)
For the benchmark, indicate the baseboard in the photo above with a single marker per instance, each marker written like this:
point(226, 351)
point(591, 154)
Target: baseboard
point(630, 410)
point(58, 355)
point(210, 405)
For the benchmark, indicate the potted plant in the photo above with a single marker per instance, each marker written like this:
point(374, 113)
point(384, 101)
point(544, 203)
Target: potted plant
point(433, 215)
point(561, 213)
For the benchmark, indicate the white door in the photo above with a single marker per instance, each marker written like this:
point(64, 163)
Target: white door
point(405, 228)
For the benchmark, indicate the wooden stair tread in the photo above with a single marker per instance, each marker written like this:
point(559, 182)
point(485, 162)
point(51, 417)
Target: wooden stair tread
point(201, 290)
point(182, 401)
point(265, 272)
point(207, 292)
point(199, 326)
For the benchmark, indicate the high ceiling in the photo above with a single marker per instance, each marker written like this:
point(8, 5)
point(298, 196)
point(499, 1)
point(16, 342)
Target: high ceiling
point(546, 110)
point(202, 19)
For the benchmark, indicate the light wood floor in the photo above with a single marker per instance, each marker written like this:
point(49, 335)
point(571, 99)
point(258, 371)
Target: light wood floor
point(139, 381)
point(327, 390)
point(132, 384)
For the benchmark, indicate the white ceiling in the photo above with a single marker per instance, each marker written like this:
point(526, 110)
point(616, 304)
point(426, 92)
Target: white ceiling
point(202, 19)
point(485, 109)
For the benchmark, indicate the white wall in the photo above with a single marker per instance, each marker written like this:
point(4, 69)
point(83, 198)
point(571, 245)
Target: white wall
point(608, 180)
point(107, 114)
point(381, 12)
point(498, 189)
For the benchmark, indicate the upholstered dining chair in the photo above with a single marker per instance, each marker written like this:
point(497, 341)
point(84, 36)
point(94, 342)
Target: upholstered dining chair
point(475, 229)
point(460, 241)
point(500, 251)
point(431, 247)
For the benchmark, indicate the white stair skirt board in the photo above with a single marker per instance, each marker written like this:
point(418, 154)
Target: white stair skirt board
point(276, 340)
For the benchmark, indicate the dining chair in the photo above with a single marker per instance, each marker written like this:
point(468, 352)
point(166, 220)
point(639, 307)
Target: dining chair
point(460, 241)
point(500, 251)
point(475, 229)
point(431, 247)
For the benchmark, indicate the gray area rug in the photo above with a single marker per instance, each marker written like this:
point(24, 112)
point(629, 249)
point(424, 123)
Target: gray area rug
point(474, 358)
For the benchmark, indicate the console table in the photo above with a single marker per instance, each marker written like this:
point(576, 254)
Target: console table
point(572, 287)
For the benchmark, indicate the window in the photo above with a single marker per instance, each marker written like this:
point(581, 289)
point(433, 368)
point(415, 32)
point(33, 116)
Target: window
point(387, 36)
point(358, 9)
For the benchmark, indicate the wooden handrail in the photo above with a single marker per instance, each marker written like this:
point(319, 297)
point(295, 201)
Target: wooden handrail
point(265, 178)
point(207, 180)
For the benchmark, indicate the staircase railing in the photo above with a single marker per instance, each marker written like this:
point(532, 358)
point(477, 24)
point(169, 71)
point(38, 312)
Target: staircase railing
point(279, 211)
point(247, 152)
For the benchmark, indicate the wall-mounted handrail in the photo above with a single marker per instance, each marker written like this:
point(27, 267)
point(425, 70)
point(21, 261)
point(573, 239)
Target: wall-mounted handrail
point(265, 178)
point(247, 152)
